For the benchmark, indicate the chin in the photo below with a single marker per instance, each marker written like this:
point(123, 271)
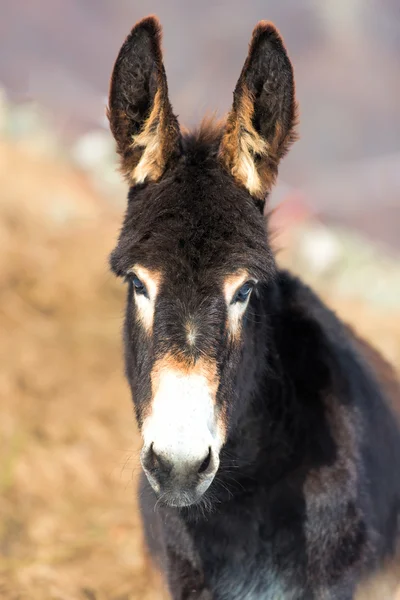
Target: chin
point(180, 500)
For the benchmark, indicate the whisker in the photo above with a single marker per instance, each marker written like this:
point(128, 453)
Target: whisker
point(158, 501)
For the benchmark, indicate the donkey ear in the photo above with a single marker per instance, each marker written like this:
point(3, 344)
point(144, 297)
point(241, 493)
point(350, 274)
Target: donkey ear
point(261, 125)
point(140, 114)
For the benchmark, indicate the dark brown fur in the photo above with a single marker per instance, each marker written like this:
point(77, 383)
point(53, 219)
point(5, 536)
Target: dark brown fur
point(306, 501)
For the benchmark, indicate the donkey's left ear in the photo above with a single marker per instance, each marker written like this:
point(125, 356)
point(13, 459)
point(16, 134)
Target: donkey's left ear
point(261, 125)
point(140, 114)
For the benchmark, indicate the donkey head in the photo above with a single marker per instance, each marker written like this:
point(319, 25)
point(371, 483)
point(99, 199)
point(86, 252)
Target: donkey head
point(194, 250)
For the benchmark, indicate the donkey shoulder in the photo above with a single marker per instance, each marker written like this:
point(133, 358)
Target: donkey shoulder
point(337, 343)
point(361, 398)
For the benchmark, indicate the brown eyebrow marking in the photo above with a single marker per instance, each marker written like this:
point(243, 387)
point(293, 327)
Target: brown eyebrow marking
point(145, 306)
point(235, 311)
point(233, 282)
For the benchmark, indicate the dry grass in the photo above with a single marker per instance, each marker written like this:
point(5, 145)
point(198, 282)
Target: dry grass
point(69, 526)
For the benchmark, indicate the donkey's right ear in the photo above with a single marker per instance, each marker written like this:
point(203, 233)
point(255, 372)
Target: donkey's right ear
point(140, 114)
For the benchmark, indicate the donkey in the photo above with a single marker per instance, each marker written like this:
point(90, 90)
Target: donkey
point(271, 448)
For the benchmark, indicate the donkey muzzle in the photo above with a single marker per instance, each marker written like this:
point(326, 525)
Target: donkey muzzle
point(177, 478)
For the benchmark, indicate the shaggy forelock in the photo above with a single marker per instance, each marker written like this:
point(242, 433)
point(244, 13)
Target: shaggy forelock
point(196, 218)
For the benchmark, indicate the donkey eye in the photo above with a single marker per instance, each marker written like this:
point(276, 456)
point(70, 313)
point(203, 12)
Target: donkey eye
point(243, 293)
point(139, 286)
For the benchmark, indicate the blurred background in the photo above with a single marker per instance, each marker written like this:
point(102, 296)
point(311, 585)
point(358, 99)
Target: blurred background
point(69, 527)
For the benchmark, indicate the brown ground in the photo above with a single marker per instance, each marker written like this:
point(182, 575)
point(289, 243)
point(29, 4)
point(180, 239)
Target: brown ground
point(69, 526)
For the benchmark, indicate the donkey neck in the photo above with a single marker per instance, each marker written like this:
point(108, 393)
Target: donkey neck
point(264, 437)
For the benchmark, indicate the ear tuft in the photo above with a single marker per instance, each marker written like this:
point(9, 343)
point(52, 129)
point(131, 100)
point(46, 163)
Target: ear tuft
point(151, 25)
point(264, 31)
point(140, 114)
point(261, 125)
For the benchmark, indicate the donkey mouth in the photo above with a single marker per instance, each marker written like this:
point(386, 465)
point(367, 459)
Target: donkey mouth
point(179, 496)
point(177, 492)
point(180, 499)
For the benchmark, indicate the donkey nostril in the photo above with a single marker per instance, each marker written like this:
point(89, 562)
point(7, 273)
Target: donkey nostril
point(206, 462)
point(153, 462)
point(148, 460)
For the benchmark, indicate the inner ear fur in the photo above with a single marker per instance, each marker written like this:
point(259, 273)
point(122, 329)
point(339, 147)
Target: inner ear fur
point(140, 114)
point(261, 125)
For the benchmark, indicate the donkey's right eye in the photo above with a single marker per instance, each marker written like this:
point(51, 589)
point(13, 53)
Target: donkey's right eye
point(138, 285)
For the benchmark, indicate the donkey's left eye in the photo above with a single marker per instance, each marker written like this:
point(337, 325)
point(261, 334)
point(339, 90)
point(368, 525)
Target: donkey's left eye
point(243, 293)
